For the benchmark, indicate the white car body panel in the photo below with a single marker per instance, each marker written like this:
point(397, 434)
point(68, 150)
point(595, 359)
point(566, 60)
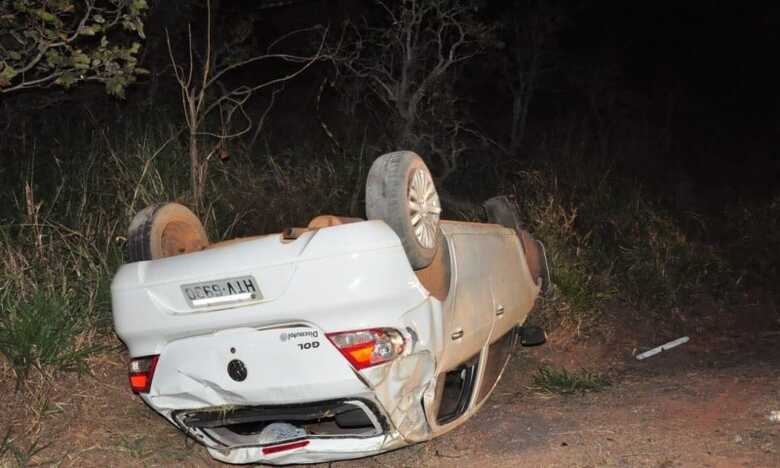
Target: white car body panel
point(347, 277)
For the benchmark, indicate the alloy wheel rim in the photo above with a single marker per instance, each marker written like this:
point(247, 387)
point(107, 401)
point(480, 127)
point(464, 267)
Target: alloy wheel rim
point(424, 208)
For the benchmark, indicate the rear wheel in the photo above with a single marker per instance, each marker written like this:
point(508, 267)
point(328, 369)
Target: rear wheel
point(400, 191)
point(164, 230)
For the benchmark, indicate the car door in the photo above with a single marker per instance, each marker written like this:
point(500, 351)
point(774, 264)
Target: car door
point(468, 314)
point(506, 280)
point(508, 306)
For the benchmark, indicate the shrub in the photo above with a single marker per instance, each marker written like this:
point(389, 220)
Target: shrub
point(607, 237)
point(61, 240)
point(41, 333)
point(752, 232)
point(64, 222)
point(551, 380)
point(580, 289)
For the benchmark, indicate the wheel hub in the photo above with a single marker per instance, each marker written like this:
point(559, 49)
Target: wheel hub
point(424, 208)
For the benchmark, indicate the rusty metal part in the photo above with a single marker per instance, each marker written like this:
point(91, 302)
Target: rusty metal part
point(323, 221)
point(293, 233)
point(436, 276)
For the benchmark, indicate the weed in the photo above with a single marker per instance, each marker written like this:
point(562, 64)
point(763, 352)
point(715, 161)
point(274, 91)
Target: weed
point(40, 333)
point(22, 456)
point(63, 222)
point(753, 241)
point(608, 238)
point(581, 288)
point(561, 381)
point(136, 447)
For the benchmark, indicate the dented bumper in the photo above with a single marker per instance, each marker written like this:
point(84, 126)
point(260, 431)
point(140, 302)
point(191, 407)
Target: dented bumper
point(295, 403)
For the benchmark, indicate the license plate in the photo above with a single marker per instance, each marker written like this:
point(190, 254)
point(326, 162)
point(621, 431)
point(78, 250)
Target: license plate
point(222, 292)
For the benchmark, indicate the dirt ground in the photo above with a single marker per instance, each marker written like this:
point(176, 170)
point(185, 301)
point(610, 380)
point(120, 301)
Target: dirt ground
point(705, 403)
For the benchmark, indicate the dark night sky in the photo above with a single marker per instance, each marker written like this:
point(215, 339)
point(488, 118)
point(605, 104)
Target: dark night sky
point(718, 58)
point(724, 54)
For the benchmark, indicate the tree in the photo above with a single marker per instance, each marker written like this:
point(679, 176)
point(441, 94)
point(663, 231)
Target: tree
point(46, 43)
point(529, 31)
point(409, 65)
point(202, 77)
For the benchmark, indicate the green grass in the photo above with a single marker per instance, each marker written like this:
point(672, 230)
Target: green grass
point(562, 382)
point(41, 332)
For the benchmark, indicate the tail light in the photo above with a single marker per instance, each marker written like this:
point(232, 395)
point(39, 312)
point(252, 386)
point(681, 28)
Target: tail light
point(284, 447)
point(141, 373)
point(366, 348)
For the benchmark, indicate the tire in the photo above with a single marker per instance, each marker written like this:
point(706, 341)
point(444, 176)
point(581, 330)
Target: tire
point(164, 230)
point(502, 211)
point(392, 193)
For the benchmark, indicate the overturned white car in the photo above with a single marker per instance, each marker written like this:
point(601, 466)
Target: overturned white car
point(340, 340)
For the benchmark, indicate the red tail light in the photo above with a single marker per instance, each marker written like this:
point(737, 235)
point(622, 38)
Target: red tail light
point(366, 348)
point(142, 372)
point(283, 447)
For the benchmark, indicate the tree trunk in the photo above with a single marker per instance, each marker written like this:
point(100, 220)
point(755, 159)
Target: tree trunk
point(521, 101)
point(516, 131)
point(195, 179)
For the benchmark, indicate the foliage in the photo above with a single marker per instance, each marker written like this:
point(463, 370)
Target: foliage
point(64, 222)
point(580, 289)
point(65, 42)
point(21, 456)
point(607, 238)
point(526, 52)
point(60, 243)
point(753, 243)
point(40, 333)
point(407, 62)
point(551, 380)
point(205, 89)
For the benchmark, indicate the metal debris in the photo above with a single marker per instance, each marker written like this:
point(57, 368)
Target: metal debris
point(662, 348)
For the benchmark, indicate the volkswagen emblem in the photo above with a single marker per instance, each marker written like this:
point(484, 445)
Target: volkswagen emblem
point(236, 370)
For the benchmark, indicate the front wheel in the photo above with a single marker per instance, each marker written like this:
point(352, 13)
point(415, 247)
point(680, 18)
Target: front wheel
point(400, 191)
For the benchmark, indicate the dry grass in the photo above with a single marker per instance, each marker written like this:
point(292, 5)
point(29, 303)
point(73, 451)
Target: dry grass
point(608, 239)
point(63, 222)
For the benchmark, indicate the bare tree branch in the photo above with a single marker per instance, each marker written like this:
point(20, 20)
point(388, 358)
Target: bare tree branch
point(403, 62)
point(203, 92)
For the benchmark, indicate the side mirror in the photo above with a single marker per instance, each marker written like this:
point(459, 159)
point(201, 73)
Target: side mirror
point(531, 336)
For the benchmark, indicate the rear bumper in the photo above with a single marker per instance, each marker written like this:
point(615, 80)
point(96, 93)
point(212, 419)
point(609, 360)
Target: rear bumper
point(320, 438)
point(327, 409)
point(323, 430)
point(315, 451)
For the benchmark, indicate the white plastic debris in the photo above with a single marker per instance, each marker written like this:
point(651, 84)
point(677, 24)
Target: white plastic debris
point(774, 415)
point(662, 348)
point(279, 432)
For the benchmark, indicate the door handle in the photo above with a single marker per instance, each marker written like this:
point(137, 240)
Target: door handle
point(457, 334)
point(499, 310)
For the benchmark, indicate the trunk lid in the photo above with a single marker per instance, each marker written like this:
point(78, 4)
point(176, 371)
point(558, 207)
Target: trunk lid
point(339, 278)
